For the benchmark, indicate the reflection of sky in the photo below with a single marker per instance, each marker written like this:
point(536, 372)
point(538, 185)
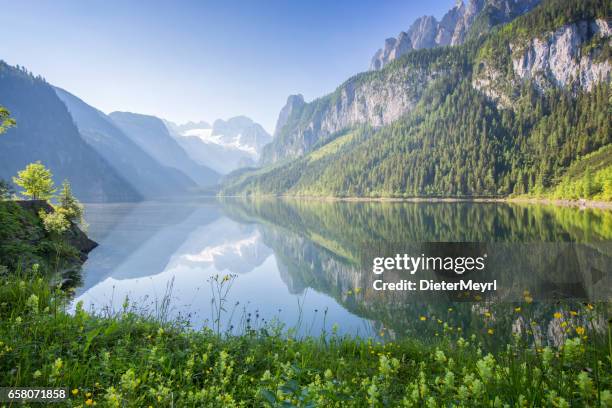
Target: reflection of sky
point(218, 247)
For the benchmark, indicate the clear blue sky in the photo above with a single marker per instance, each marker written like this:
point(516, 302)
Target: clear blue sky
point(192, 60)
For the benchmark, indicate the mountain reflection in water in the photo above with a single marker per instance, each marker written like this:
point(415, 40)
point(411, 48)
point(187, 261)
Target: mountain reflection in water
point(307, 264)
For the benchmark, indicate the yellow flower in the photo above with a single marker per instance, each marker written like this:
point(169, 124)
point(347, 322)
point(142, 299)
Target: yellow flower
point(89, 402)
point(88, 394)
point(526, 293)
point(487, 314)
point(589, 306)
point(75, 391)
point(563, 324)
point(423, 318)
point(528, 299)
point(573, 313)
point(580, 330)
point(450, 309)
point(517, 309)
point(557, 315)
point(490, 331)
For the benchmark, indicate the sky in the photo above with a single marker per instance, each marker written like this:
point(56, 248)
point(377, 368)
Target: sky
point(201, 60)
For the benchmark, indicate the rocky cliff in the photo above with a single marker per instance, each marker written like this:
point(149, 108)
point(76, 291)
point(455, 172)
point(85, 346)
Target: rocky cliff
point(574, 56)
point(452, 29)
point(376, 98)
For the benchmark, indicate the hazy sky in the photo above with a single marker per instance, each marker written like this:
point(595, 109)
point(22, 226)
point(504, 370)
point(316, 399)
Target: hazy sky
point(201, 60)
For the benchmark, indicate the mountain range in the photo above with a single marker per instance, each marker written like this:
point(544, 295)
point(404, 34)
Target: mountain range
point(121, 156)
point(499, 97)
point(146, 174)
point(463, 20)
point(225, 146)
point(46, 132)
point(517, 95)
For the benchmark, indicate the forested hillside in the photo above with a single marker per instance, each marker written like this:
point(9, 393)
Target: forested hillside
point(506, 113)
point(45, 132)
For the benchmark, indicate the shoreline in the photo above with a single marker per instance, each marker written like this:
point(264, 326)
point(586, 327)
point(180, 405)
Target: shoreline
point(581, 204)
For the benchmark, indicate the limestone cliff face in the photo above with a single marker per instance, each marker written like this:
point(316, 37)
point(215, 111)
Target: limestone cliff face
point(569, 57)
point(376, 100)
point(453, 29)
point(294, 103)
point(559, 58)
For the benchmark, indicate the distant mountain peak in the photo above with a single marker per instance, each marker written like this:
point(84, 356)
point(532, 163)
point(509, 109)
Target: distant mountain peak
point(452, 29)
point(294, 102)
point(226, 146)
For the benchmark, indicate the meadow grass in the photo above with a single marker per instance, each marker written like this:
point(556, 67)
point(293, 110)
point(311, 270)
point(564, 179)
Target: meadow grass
point(132, 360)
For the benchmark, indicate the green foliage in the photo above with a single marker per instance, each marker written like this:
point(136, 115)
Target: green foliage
point(24, 241)
point(6, 190)
point(36, 180)
point(69, 206)
point(55, 222)
point(592, 185)
point(5, 120)
point(126, 360)
point(588, 177)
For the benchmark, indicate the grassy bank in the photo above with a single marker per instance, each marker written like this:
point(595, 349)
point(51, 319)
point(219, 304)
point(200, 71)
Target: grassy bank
point(128, 360)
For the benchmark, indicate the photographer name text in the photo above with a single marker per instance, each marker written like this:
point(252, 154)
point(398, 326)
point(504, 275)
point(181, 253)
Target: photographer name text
point(413, 264)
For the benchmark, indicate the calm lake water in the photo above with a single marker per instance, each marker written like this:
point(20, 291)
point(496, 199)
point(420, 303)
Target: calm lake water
point(308, 265)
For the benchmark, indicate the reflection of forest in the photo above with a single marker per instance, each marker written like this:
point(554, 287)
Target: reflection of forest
point(552, 252)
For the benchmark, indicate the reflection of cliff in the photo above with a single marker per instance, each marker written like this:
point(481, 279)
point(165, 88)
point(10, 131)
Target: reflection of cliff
point(322, 245)
point(224, 244)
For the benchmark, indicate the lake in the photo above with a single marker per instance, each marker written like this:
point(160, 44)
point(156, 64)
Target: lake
point(307, 265)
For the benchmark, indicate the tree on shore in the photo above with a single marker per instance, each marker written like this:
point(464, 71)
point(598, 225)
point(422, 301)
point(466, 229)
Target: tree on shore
point(5, 120)
point(36, 181)
point(6, 190)
point(69, 205)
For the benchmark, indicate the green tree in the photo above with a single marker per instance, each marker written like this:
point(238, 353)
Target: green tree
point(5, 120)
point(69, 205)
point(588, 183)
point(36, 180)
point(6, 190)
